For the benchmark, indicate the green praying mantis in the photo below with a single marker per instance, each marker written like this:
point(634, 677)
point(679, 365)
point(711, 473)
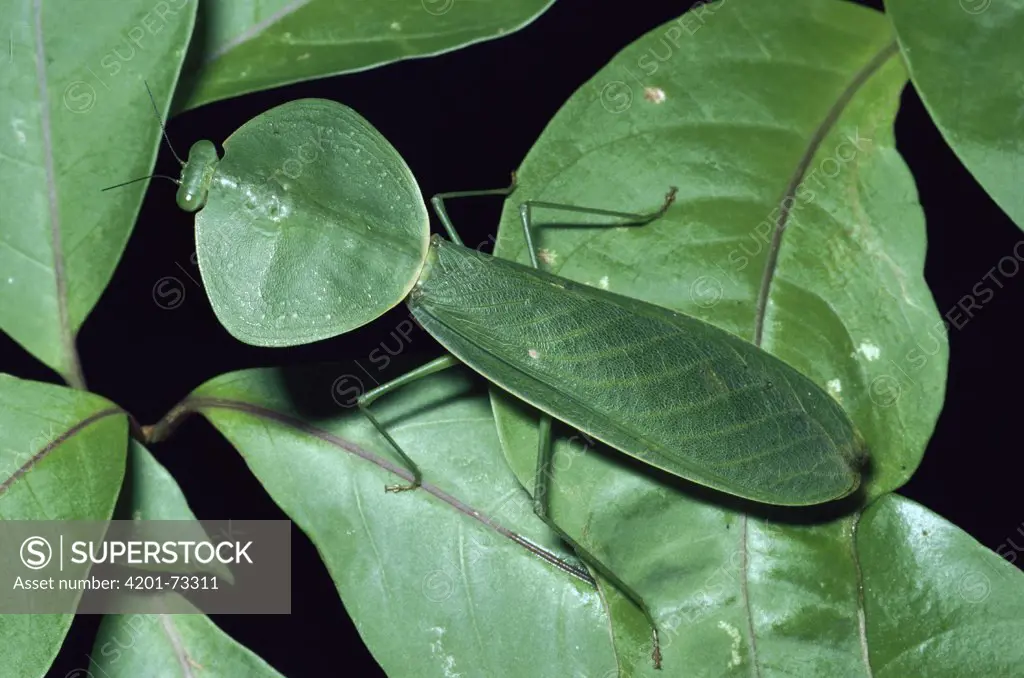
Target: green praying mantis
point(320, 204)
point(332, 232)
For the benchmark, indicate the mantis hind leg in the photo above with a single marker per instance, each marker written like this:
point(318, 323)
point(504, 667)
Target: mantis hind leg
point(365, 400)
point(631, 218)
point(542, 474)
point(544, 457)
point(541, 483)
point(543, 470)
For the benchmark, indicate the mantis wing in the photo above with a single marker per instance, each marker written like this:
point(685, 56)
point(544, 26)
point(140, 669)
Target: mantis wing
point(671, 390)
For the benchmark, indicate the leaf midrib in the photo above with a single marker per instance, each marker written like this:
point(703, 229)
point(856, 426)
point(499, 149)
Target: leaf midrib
point(54, 444)
point(72, 370)
point(862, 632)
point(200, 404)
point(256, 30)
point(771, 265)
point(822, 130)
point(177, 645)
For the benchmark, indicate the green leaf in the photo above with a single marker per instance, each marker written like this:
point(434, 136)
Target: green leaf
point(944, 603)
point(62, 457)
point(164, 644)
point(842, 598)
point(434, 587)
point(708, 573)
point(184, 645)
point(797, 227)
point(250, 45)
point(965, 61)
point(76, 119)
point(289, 255)
point(151, 493)
point(900, 593)
point(796, 112)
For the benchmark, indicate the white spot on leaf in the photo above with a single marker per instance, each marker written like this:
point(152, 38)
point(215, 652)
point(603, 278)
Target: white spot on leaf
point(835, 387)
point(547, 256)
point(437, 650)
point(534, 353)
point(869, 350)
point(603, 282)
point(734, 633)
point(655, 95)
point(18, 125)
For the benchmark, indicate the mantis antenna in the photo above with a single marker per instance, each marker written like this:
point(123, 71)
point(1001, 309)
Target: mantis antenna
point(163, 129)
point(132, 181)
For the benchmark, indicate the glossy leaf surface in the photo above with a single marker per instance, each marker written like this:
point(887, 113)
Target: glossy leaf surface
point(946, 607)
point(75, 118)
point(797, 226)
point(428, 588)
point(901, 592)
point(750, 130)
point(131, 645)
point(62, 457)
point(433, 578)
point(965, 61)
point(249, 45)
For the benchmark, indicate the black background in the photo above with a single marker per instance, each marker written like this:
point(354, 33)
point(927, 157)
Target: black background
point(465, 120)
